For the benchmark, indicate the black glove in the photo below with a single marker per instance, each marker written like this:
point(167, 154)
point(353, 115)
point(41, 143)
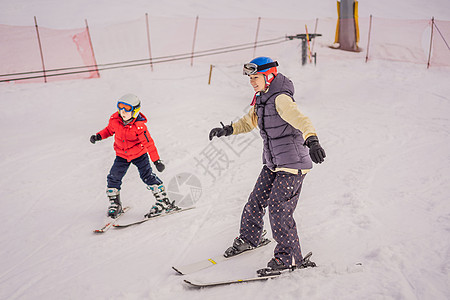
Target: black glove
point(224, 131)
point(315, 150)
point(159, 165)
point(95, 137)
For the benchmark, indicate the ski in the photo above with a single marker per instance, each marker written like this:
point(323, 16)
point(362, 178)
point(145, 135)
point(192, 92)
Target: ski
point(206, 263)
point(264, 274)
point(111, 221)
point(151, 218)
point(200, 284)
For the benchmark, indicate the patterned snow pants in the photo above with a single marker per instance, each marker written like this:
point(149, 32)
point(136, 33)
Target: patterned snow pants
point(280, 192)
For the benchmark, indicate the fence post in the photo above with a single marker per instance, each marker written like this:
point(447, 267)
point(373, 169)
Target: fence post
point(193, 42)
point(315, 31)
point(148, 41)
point(92, 47)
point(368, 38)
point(256, 37)
point(40, 49)
point(210, 73)
point(431, 42)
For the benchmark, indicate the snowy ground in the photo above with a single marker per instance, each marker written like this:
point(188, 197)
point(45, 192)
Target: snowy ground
point(380, 199)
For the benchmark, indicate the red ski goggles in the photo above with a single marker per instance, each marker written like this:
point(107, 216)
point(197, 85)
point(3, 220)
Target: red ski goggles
point(125, 106)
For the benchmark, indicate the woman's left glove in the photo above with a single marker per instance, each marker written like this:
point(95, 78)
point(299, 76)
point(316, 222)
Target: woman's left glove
point(159, 165)
point(315, 150)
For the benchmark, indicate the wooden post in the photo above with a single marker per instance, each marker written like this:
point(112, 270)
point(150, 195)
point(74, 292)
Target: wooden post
point(256, 37)
point(210, 73)
point(431, 42)
point(40, 49)
point(368, 38)
point(92, 48)
point(193, 42)
point(148, 41)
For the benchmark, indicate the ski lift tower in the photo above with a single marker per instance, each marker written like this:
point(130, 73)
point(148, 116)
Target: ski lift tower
point(306, 38)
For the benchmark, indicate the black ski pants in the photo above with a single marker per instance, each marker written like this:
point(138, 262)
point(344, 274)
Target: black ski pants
point(120, 168)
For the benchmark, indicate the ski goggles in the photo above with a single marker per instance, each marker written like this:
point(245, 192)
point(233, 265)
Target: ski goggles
point(125, 106)
point(252, 69)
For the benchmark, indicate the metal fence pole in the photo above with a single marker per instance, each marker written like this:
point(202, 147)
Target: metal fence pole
point(40, 49)
point(92, 47)
point(368, 39)
point(148, 41)
point(431, 42)
point(193, 42)
point(256, 37)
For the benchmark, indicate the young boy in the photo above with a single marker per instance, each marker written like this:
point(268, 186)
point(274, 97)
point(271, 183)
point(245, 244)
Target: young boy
point(287, 134)
point(132, 142)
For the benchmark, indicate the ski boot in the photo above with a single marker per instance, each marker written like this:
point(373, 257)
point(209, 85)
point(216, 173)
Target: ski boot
point(162, 203)
point(276, 266)
point(115, 207)
point(239, 245)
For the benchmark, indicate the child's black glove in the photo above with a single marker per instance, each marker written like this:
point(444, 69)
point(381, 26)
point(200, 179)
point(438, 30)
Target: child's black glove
point(159, 165)
point(224, 131)
point(315, 150)
point(95, 137)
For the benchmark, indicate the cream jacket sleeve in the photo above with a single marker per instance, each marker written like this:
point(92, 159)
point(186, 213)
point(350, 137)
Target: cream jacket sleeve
point(247, 123)
point(288, 111)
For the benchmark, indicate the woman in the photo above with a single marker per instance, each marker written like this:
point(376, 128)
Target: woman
point(286, 134)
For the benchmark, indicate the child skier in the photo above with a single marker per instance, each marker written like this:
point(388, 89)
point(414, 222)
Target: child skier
point(286, 133)
point(132, 142)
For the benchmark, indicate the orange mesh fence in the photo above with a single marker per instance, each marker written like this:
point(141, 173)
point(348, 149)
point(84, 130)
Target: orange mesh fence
point(160, 39)
point(65, 52)
point(400, 40)
point(440, 54)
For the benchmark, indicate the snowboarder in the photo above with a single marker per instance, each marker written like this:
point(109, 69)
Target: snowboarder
point(132, 142)
point(286, 133)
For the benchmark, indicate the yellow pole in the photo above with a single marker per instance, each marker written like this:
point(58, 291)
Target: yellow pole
point(336, 37)
point(210, 73)
point(309, 47)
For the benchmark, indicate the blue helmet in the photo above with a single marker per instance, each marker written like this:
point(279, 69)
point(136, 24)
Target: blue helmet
point(264, 65)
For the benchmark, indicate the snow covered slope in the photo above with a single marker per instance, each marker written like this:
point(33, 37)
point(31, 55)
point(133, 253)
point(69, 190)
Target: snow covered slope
point(380, 198)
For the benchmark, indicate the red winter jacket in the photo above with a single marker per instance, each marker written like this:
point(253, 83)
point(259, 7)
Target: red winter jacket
point(131, 140)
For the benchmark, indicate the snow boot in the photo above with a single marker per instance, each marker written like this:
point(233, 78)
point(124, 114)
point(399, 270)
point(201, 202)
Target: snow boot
point(115, 207)
point(162, 204)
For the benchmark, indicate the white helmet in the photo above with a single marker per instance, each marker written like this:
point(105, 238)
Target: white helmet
point(129, 102)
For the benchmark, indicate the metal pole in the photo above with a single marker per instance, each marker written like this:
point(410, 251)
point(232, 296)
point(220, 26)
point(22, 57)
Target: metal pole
point(315, 31)
point(431, 42)
point(148, 41)
point(40, 49)
point(368, 39)
point(256, 37)
point(304, 51)
point(193, 42)
point(92, 48)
